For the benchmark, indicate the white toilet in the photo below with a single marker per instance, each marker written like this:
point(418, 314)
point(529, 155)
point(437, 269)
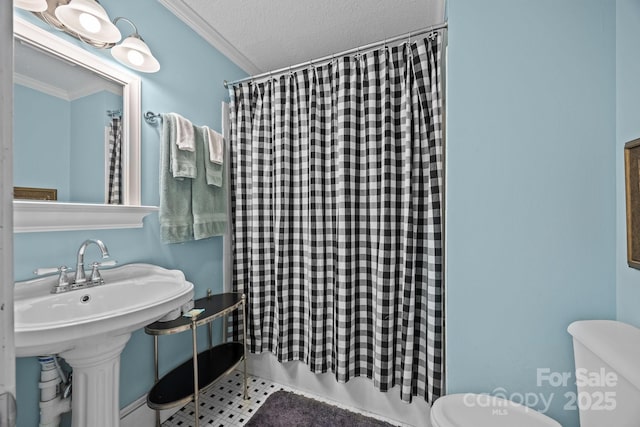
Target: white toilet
point(479, 410)
point(607, 355)
point(607, 359)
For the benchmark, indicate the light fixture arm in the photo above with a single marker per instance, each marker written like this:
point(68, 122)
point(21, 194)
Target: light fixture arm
point(135, 29)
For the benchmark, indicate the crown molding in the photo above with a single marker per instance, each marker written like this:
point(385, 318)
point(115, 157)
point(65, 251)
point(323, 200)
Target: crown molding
point(63, 94)
point(35, 84)
point(187, 15)
point(92, 89)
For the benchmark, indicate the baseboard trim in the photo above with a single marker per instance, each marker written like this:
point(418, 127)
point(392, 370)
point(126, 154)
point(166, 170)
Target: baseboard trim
point(138, 414)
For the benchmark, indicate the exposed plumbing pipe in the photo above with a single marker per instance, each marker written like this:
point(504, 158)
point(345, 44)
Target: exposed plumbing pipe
point(52, 404)
point(59, 369)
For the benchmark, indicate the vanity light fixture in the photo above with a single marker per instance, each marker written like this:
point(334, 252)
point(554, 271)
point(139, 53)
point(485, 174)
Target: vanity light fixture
point(87, 21)
point(134, 52)
point(32, 5)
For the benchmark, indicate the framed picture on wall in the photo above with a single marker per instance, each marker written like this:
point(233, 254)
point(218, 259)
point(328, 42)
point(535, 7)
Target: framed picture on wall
point(30, 193)
point(632, 183)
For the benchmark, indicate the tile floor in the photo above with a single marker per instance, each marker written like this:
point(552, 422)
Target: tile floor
point(222, 405)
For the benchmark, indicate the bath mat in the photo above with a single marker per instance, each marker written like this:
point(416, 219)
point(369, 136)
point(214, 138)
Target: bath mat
point(286, 409)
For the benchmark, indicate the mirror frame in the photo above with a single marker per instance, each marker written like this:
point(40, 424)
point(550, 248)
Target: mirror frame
point(30, 216)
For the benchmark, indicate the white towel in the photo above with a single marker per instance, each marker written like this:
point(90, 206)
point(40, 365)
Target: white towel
point(182, 163)
point(185, 138)
point(216, 145)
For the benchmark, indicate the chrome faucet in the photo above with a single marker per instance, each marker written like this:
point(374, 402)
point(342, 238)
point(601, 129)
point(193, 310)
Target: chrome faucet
point(80, 274)
point(80, 281)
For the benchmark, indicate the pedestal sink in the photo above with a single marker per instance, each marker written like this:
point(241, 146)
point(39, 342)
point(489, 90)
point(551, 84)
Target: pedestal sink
point(90, 327)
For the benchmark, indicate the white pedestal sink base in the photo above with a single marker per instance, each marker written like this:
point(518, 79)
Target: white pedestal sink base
point(89, 327)
point(96, 381)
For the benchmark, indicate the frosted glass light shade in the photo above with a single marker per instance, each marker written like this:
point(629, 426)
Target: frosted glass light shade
point(89, 20)
point(134, 53)
point(31, 5)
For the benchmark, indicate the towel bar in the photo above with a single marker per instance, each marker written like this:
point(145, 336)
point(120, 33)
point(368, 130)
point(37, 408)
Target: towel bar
point(152, 118)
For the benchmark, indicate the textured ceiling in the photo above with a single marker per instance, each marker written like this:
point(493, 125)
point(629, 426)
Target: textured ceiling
point(264, 35)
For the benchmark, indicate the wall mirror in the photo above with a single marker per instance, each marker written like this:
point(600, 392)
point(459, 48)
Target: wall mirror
point(71, 109)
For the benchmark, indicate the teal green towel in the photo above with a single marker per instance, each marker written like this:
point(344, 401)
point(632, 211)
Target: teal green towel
point(209, 202)
point(176, 217)
point(190, 208)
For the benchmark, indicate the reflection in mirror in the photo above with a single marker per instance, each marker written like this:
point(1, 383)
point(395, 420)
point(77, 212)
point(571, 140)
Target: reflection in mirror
point(67, 128)
point(75, 159)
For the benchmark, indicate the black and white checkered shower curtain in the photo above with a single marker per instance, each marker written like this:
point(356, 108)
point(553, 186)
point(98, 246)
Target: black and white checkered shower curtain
point(115, 161)
point(336, 203)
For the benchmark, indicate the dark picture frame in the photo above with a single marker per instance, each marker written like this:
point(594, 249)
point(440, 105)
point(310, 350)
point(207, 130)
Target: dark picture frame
point(31, 193)
point(632, 189)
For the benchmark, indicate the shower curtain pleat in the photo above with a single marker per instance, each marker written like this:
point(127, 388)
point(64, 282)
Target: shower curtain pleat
point(336, 202)
point(115, 159)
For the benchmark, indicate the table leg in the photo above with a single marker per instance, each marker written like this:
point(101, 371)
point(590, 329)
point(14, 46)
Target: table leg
point(196, 390)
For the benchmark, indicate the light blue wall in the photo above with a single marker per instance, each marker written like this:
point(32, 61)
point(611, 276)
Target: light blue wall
point(41, 141)
point(189, 82)
point(54, 154)
point(531, 196)
point(628, 128)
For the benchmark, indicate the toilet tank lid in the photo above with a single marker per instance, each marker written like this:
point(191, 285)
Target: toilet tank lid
point(470, 409)
point(616, 343)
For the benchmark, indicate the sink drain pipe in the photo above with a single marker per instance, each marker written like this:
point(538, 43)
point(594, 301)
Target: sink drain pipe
point(53, 400)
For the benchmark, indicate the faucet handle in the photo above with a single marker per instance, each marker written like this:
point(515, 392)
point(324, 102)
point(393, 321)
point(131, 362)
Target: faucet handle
point(95, 273)
point(43, 271)
point(109, 263)
point(63, 281)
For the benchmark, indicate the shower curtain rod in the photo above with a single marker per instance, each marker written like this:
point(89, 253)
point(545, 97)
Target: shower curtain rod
point(346, 52)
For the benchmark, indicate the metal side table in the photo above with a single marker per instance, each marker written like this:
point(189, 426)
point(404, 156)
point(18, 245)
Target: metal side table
point(182, 384)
